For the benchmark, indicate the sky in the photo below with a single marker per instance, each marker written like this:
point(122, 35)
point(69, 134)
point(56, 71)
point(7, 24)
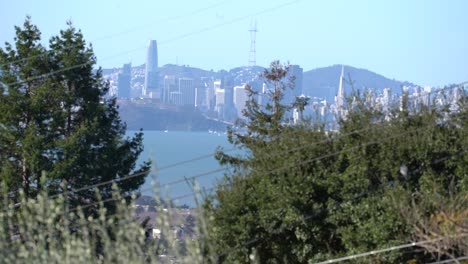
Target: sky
point(421, 41)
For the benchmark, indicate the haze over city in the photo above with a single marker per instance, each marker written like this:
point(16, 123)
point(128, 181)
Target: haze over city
point(222, 131)
point(418, 41)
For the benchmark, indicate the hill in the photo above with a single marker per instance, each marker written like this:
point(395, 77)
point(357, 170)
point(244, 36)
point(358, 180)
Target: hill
point(152, 117)
point(323, 82)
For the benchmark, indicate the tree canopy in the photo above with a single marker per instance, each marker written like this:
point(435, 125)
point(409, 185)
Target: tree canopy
point(58, 130)
point(302, 193)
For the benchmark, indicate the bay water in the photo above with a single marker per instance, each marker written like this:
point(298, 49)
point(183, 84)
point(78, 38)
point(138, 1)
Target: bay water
point(168, 148)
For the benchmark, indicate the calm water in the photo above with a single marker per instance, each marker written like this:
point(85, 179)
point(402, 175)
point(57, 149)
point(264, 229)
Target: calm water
point(167, 148)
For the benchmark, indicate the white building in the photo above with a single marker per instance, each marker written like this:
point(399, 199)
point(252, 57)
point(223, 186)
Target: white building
point(210, 95)
point(240, 98)
point(219, 95)
point(339, 106)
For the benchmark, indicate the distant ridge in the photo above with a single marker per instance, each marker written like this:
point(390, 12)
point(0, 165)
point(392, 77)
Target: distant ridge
point(323, 82)
point(320, 82)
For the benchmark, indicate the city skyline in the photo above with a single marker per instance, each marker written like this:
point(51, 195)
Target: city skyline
point(151, 71)
point(418, 41)
point(221, 98)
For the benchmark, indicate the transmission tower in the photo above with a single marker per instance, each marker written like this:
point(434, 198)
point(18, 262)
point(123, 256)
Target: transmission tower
point(253, 33)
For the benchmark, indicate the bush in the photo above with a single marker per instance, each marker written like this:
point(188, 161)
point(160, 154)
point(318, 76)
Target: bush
point(46, 230)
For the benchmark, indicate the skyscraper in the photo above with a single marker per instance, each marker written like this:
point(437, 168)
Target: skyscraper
point(295, 73)
point(339, 100)
point(123, 81)
point(240, 98)
point(169, 87)
point(150, 88)
point(340, 111)
point(187, 89)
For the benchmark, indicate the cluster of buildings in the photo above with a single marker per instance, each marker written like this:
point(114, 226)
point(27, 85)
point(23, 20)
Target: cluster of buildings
point(410, 98)
point(222, 95)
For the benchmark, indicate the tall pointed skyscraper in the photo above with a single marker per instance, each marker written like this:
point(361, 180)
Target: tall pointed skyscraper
point(151, 86)
point(340, 95)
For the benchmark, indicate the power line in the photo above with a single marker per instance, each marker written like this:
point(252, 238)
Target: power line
point(173, 199)
point(323, 210)
point(305, 218)
point(450, 260)
point(178, 17)
point(308, 217)
point(200, 10)
point(374, 252)
point(211, 172)
point(259, 239)
point(309, 160)
point(219, 170)
point(232, 21)
point(179, 37)
point(293, 149)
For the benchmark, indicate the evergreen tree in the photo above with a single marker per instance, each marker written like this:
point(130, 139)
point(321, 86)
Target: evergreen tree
point(302, 194)
point(56, 124)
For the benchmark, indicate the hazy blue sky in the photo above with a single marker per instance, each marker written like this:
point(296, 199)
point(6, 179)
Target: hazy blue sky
point(425, 42)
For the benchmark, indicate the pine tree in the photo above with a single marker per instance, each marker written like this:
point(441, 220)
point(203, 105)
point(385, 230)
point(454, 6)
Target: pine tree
point(264, 116)
point(56, 124)
point(300, 194)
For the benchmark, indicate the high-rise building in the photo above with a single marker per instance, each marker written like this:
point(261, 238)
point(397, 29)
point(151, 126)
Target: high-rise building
point(187, 90)
point(210, 94)
point(296, 72)
point(386, 99)
point(123, 82)
point(150, 89)
point(340, 111)
point(339, 100)
point(228, 85)
point(169, 87)
point(201, 94)
point(200, 97)
point(240, 98)
point(219, 95)
point(294, 79)
point(176, 98)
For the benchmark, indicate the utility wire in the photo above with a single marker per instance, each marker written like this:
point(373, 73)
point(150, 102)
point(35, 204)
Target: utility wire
point(314, 159)
point(374, 252)
point(308, 217)
point(320, 212)
point(305, 218)
point(232, 21)
point(163, 20)
point(179, 37)
point(450, 260)
point(143, 173)
point(167, 19)
point(211, 155)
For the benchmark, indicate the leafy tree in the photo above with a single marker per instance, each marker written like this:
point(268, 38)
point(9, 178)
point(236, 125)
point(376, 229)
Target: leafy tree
point(302, 194)
point(56, 124)
point(266, 193)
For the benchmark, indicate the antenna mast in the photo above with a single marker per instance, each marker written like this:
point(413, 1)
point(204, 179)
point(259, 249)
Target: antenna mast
point(253, 33)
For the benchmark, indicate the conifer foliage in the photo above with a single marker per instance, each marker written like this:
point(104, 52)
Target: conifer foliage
point(304, 194)
point(58, 131)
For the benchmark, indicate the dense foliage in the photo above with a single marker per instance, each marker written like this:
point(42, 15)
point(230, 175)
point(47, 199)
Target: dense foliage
point(303, 194)
point(45, 230)
point(56, 125)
